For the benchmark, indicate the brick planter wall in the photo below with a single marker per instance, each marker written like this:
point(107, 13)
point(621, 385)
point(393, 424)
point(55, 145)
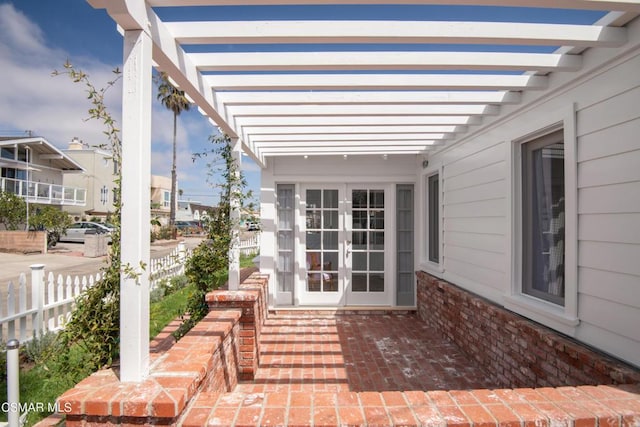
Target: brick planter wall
point(203, 360)
point(251, 300)
point(515, 351)
point(23, 241)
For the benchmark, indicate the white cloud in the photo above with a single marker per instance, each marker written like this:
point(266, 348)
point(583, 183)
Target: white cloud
point(57, 108)
point(52, 107)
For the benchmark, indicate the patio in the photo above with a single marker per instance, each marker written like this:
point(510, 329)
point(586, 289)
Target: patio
point(244, 366)
point(338, 353)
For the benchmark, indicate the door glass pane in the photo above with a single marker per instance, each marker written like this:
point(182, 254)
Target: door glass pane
point(313, 219)
point(376, 282)
point(330, 261)
point(359, 261)
point(331, 220)
point(376, 198)
point(331, 199)
point(330, 240)
point(314, 198)
point(285, 240)
point(376, 261)
point(377, 240)
point(359, 282)
point(359, 240)
point(359, 219)
point(313, 240)
point(377, 220)
point(359, 199)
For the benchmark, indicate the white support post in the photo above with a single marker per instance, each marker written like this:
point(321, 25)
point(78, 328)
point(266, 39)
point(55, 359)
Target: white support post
point(13, 383)
point(37, 297)
point(234, 250)
point(136, 219)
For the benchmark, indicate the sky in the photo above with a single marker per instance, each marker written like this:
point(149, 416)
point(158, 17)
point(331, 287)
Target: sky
point(38, 37)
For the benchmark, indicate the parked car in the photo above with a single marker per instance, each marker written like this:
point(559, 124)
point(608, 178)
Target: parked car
point(188, 227)
point(253, 226)
point(77, 231)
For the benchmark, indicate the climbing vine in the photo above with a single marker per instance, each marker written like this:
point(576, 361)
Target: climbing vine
point(208, 266)
point(95, 323)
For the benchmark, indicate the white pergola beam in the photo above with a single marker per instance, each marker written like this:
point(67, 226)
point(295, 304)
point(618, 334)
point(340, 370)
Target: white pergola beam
point(362, 110)
point(622, 5)
point(372, 137)
point(313, 61)
point(346, 130)
point(409, 32)
point(374, 81)
point(367, 97)
point(357, 121)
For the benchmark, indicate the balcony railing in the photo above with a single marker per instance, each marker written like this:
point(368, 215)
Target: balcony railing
point(43, 193)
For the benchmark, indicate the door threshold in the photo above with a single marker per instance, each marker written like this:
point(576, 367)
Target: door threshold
point(378, 310)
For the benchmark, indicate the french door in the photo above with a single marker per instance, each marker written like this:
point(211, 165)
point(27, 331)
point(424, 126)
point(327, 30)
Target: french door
point(344, 241)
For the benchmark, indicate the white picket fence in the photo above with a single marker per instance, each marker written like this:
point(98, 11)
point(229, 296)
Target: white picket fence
point(51, 301)
point(250, 245)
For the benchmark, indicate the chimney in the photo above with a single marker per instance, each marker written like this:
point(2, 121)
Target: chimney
point(75, 144)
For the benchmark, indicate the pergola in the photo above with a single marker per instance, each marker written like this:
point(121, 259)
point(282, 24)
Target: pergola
point(348, 87)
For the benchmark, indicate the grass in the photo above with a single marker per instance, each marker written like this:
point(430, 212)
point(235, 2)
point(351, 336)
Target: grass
point(46, 379)
point(167, 309)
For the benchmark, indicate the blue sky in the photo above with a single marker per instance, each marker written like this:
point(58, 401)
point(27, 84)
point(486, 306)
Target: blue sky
point(37, 37)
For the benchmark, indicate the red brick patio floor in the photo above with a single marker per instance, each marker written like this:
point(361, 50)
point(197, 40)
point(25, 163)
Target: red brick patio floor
point(357, 353)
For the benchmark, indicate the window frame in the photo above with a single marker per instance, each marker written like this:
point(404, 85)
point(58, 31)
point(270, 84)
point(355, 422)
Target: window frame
point(527, 175)
point(433, 224)
point(427, 264)
point(562, 318)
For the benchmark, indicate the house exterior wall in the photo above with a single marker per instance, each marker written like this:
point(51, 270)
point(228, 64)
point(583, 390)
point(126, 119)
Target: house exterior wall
point(480, 245)
point(99, 174)
point(364, 169)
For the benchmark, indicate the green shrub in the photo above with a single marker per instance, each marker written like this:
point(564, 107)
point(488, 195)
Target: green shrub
point(42, 348)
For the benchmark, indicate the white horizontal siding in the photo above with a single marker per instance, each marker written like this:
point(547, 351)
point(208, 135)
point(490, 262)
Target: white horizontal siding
point(615, 257)
point(611, 228)
point(478, 257)
point(621, 319)
point(481, 175)
point(488, 191)
point(598, 283)
point(610, 342)
point(616, 198)
point(474, 209)
point(609, 141)
point(479, 279)
point(490, 225)
point(482, 241)
point(614, 110)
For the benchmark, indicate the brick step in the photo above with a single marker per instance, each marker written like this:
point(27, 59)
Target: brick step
point(583, 405)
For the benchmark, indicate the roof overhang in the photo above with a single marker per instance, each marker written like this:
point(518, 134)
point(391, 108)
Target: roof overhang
point(43, 153)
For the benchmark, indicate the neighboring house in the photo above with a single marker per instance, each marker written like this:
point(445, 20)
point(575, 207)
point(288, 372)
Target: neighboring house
point(192, 211)
point(35, 170)
point(161, 198)
point(512, 173)
point(98, 179)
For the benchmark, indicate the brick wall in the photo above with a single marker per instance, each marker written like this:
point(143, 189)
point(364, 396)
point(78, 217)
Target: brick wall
point(515, 351)
point(23, 241)
point(203, 360)
point(251, 299)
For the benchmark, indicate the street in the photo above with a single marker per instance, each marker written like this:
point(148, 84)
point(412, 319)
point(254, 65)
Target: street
point(67, 259)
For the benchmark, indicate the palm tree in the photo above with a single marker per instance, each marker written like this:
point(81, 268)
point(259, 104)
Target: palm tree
point(175, 100)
